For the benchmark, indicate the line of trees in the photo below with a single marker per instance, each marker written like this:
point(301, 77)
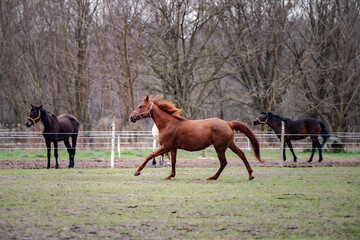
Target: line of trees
point(227, 58)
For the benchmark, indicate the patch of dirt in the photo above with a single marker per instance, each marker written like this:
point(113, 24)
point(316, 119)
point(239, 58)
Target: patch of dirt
point(181, 163)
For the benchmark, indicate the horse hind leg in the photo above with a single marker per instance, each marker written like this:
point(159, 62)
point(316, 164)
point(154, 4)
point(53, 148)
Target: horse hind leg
point(241, 154)
point(73, 149)
point(319, 147)
point(70, 151)
point(291, 149)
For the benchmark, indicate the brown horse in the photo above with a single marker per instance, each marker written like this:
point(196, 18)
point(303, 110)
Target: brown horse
point(56, 129)
point(176, 132)
point(296, 130)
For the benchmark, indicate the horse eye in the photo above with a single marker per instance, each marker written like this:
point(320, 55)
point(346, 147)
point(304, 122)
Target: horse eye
point(140, 106)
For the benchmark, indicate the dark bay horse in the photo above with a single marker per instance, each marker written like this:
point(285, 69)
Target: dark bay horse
point(176, 132)
point(296, 130)
point(56, 129)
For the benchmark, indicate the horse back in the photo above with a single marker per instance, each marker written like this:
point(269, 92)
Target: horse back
point(300, 129)
point(68, 124)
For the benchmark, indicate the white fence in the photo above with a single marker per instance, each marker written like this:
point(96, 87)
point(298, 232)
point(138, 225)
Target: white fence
point(142, 140)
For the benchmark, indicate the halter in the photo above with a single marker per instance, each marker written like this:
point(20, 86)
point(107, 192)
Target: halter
point(34, 119)
point(263, 122)
point(148, 112)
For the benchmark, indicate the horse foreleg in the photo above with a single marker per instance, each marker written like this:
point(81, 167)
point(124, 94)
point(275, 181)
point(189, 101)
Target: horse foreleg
point(223, 162)
point(313, 149)
point(173, 163)
point(158, 152)
point(241, 155)
point(48, 147)
point(291, 149)
point(56, 153)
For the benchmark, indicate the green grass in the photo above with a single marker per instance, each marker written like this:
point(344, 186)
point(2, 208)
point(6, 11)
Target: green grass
point(300, 203)
point(139, 154)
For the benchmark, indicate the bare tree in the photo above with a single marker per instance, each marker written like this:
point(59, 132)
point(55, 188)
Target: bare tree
point(331, 80)
point(179, 51)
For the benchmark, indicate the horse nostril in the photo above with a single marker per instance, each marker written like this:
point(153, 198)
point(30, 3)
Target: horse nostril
point(133, 119)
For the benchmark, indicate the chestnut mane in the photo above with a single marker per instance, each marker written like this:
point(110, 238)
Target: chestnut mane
point(167, 107)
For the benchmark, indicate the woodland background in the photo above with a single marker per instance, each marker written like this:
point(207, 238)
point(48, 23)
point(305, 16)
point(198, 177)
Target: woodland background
point(229, 59)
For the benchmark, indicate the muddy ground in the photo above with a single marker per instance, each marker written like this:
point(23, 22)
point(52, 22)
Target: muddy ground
point(181, 163)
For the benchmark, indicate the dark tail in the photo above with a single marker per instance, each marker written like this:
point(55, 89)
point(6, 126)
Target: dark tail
point(325, 134)
point(243, 128)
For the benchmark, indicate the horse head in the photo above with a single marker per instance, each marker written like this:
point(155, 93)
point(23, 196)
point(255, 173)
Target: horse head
point(263, 118)
point(143, 110)
point(34, 116)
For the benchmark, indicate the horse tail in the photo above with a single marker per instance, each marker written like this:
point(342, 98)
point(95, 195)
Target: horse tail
point(243, 128)
point(325, 134)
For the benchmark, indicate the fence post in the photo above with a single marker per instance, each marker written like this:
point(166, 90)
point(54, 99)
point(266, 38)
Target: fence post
point(112, 145)
point(119, 145)
point(282, 142)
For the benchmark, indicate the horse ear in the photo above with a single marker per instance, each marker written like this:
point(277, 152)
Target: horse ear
point(147, 98)
point(31, 105)
point(40, 106)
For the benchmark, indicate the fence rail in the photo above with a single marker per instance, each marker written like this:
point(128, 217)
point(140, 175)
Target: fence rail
point(142, 140)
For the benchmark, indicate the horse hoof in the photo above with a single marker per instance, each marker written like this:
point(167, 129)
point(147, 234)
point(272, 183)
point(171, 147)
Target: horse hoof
point(309, 161)
point(136, 174)
point(251, 178)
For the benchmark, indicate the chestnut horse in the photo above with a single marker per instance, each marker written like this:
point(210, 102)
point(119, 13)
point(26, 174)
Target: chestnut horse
point(56, 129)
point(296, 130)
point(176, 132)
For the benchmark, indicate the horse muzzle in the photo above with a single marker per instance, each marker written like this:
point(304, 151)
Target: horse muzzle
point(29, 124)
point(256, 122)
point(133, 119)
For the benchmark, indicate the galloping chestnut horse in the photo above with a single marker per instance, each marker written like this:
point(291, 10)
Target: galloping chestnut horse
point(176, 132)
point(56, 129)
point(296, 130)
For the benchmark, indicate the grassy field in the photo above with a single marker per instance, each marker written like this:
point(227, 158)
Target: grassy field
point(102, 154)
point(281, 203)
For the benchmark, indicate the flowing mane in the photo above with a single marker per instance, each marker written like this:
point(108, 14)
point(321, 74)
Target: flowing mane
point(277, 116)
point(167, 107)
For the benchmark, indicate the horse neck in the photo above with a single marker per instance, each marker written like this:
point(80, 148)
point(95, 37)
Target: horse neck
point(45, 119)
point(161, 118)
point(275, 124)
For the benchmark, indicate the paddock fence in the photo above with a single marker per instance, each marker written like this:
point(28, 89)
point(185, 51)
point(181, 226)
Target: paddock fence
point(142, 140)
